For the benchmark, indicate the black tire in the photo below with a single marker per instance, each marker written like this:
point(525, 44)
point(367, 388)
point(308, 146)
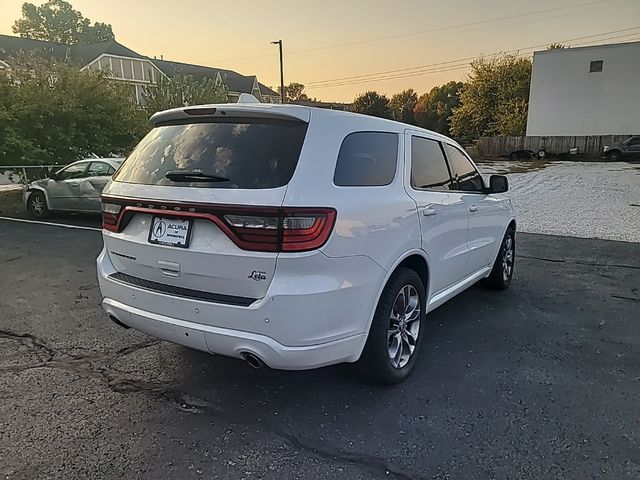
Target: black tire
point(376, 363)
point(37, 205)
point(614, 156)
point(501, 275)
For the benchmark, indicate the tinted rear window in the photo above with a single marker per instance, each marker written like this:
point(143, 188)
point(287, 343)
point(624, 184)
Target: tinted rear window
point(367, 159)
point(251, 154)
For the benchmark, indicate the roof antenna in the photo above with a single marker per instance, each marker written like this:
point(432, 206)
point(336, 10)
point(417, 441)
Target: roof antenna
point(247, 98)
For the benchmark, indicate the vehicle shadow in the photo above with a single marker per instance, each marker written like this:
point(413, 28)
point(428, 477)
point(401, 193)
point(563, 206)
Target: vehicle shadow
point(453, 336)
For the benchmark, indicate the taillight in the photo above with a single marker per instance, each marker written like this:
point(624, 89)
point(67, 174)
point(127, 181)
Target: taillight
point(110, 216)
point(305, 229)
point(263, 229)
point(286, 230)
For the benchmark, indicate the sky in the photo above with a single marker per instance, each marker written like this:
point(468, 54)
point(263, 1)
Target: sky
point(340, 48)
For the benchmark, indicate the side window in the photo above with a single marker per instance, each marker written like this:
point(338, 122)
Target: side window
point(72, 171)
point(367, 159)
point(428, 165)
point(634, 141)
point(99, 169)
point(464, 173)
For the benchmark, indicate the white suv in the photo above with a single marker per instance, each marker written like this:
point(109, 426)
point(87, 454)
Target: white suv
point(297, 237)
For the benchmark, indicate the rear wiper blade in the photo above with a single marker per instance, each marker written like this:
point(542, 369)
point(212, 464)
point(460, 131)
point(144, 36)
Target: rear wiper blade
point(194, 176)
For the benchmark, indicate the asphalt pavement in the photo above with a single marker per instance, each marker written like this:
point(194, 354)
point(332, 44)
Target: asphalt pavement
point(540, 381)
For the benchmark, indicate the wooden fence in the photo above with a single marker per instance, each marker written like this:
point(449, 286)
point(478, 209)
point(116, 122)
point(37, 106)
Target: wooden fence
point(589, 146)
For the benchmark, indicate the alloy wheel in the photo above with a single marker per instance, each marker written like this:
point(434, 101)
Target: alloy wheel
point(404, 326)
point(37, 205)
point(507, 258)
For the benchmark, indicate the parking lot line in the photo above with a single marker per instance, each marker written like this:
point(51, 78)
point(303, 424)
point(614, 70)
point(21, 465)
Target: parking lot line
point(63, 225)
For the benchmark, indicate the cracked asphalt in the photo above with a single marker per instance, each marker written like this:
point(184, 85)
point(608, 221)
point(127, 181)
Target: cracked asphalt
point(540, 381)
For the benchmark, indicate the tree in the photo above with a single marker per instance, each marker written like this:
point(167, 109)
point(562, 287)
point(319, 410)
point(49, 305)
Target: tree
point(57, 21)
point(402, 105)
point(183, 90)
point(293, 92)
point(557, 46)
point(495, 95)
point(55, 113)
point(372, 103)
point(434, 109)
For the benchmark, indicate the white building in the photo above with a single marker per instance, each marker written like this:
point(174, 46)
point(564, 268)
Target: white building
point(585, 91)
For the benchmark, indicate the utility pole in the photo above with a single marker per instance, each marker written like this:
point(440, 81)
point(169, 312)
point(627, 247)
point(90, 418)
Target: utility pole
point(279, 43)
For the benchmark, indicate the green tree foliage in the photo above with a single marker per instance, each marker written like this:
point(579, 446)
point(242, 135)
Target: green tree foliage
point(434, 109)
point(402, 105)
point(54, 113)
point(372, 103)
point(57, 21)
point(293, 92)
point(496, 95)
point(183, 90)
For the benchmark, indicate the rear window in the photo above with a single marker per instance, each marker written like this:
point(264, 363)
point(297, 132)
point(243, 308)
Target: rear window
point(367, 159)
point(247, 153)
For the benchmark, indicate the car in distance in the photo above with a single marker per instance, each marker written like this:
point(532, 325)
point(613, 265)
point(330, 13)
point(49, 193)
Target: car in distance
point(74, 188)
point(297, 237)
point(629, 148)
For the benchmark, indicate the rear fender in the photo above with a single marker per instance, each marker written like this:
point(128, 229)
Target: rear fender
point(391, 271)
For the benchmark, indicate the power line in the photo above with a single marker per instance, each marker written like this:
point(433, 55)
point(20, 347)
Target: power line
point(417, 67)
point(423, 32)
point(450, 27)
point(451, 64)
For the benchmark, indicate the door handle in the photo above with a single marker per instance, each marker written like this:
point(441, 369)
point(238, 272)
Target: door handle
point(429, 212)
point(473, 208)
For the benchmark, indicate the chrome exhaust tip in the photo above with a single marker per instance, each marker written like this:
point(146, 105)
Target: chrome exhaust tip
point(252, 360)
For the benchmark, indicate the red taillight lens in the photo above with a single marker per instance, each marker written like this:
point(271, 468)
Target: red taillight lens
point(286, 230)
point(110, 216)
point(306, 229)
point(261, 229)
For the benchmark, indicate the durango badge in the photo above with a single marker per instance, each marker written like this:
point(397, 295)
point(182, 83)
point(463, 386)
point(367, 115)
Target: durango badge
point(258, 276)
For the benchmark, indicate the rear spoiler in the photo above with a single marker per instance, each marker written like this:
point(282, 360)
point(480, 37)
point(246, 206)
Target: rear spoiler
point(230, 110)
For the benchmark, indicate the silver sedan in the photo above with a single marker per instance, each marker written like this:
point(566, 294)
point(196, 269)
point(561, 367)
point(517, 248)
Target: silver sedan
point(74, 188)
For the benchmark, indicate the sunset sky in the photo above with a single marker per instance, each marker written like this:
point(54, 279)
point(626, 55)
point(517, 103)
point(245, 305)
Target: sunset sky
point(333, 41)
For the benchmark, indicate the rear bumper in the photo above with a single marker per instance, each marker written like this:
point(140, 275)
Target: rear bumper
point(316, 312)
point(233, 343)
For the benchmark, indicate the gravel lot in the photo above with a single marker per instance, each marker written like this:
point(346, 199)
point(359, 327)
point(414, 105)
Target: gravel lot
point(540, 381)
point(578, 199)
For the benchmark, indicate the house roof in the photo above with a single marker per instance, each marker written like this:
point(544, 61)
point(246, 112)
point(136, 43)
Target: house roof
point(80, 54)
point(235, 81)
point(85, 54)
point(264, 90)
point(12, 45)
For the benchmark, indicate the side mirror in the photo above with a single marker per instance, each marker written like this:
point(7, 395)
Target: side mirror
point(498, 184)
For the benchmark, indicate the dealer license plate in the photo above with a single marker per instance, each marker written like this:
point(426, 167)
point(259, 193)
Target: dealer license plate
point(174, 232)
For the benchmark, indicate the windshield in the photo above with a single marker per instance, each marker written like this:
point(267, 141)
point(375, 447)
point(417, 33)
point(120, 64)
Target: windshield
point(248, 153)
